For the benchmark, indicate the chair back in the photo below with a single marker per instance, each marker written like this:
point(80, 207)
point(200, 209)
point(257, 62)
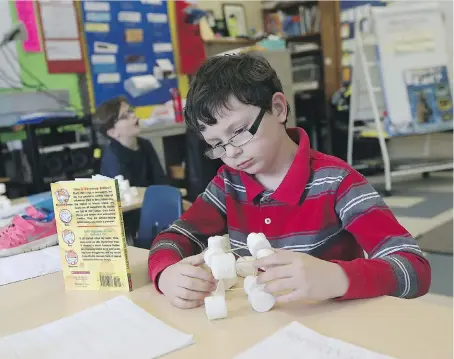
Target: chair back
point(162, 205)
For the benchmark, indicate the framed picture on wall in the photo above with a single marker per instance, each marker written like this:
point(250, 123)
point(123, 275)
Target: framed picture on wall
point(235, 19)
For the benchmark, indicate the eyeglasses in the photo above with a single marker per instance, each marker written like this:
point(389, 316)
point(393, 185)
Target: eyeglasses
point(240, 139)
point(126, 115)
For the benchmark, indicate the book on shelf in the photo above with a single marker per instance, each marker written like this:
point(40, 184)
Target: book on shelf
point(297, 21)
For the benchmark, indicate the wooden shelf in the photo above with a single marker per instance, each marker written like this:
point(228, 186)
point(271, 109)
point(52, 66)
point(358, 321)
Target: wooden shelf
point(230, 40)
point(304, 37)
point(282, 5)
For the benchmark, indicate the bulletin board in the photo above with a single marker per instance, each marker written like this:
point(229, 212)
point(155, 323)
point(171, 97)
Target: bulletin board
point(129, 50)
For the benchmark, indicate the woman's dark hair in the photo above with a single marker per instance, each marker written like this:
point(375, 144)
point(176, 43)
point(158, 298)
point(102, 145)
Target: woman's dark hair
point(248, 77)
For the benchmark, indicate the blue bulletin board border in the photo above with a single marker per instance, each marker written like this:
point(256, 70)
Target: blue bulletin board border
point(123, 40)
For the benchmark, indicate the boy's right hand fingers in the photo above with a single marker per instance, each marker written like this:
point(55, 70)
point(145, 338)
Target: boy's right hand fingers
point(197, 272)
point(196, 284)
point(186, 304)
point(194, 260)
point(188, 294)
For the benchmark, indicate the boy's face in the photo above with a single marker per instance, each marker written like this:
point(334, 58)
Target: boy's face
point(259, 154)
point(127, 124)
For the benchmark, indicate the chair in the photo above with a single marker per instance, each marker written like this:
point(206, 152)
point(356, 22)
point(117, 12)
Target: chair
point(161, 206)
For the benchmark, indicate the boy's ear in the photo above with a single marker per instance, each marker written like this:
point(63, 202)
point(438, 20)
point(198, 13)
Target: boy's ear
point(280, 106)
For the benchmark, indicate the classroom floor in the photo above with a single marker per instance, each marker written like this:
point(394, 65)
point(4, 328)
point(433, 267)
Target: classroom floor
point(422, 205)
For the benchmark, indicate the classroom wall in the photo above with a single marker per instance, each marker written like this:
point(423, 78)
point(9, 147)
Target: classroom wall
point(253, 11)
point(36, 64)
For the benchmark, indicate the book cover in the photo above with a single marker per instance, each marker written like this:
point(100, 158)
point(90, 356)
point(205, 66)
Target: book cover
point(91, 235)
point(429, 97)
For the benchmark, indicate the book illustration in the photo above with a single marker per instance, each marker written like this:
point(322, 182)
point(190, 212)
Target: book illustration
point(430, 98)
point(444, 102)
point(423, 110)
point(65, 216)
point(91, 235)
point(68, 237)
point(71, 258)
point(62, 196)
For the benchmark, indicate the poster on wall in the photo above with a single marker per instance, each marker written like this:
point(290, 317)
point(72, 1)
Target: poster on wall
point(413, 62)
point(61, 37)
point(130, 50)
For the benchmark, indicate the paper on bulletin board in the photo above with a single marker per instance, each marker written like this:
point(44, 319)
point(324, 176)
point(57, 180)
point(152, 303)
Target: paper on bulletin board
point(26, 14)
point(61, 38)
point(63, 50)
point(10, 64)
point(59, 21)
point(134, 35)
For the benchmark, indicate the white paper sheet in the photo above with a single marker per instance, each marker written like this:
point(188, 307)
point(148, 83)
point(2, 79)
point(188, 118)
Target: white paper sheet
point(59, 20)
point(63, 50)
point(29, 265)
point(115, 329)
point(8, 58)
point(297, 341)
point(165, 65)
point(162, 47)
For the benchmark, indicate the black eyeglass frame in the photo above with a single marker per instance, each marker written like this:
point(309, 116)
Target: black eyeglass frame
point(252, 130)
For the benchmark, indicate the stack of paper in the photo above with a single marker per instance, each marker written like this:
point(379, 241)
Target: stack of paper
point(115, 329)
point(297, 341)
point(29, 265)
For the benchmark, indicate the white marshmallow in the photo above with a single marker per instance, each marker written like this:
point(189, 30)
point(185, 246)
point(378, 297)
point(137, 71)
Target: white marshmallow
point(127, 198)
point(133, 191)
point(261, 301)
point(249, 283)
point(245, 266)
point(215, 307)
point(219, 242)
point(124, 185)
point(209, 253)
point(223, 266)
point(265, 252)
point(257, 241)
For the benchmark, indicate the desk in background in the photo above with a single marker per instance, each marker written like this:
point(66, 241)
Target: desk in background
point(401, 328)
point(136, 203)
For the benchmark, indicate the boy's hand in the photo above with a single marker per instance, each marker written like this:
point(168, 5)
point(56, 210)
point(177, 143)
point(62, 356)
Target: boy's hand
point(305, 276)
point(185, 283)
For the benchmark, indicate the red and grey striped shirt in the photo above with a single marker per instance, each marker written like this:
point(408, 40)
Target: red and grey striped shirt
point(323, 207)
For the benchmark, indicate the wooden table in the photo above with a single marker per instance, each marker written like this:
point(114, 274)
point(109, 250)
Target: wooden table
point(136, 202)
point(403, 329)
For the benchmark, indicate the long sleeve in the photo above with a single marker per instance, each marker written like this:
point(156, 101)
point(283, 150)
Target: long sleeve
point(109, 163)
point(189, 235)
point(395, 265)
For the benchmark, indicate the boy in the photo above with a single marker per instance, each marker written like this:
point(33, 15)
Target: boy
point(319, 214)
point(127, 154)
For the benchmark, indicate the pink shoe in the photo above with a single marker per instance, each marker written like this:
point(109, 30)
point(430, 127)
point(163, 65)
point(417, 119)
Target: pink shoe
point(26, 235)
point(35, 213)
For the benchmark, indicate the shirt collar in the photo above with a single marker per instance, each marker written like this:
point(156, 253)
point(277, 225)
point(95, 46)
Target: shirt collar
point(292, 186)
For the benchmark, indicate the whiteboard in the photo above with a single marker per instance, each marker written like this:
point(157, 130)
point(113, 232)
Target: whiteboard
point(412, 54)
point(9, 64)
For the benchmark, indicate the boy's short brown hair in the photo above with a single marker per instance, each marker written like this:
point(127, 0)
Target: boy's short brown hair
point(107, 114)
